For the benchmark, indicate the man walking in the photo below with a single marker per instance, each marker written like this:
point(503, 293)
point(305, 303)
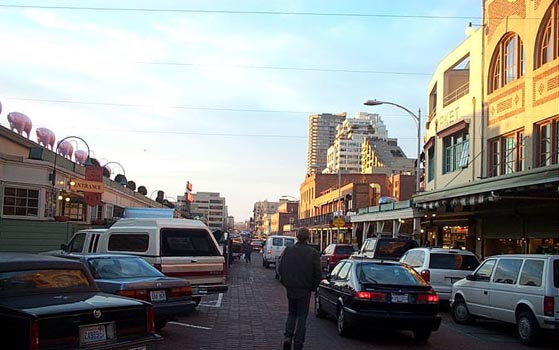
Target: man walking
point(300, 273)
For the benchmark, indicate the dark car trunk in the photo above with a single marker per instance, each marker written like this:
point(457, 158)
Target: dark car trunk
point(400, 299)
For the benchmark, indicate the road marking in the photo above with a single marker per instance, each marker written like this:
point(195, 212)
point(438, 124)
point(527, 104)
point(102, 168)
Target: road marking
point(190, 325)
point(217, 302)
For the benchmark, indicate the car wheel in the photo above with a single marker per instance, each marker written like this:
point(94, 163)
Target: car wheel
point(421, 334)
point(343, 326)
point(528, 328)
point(266, 264)
point(159, 324)
point(460, 312)
point(318, 310)
point(263, 262)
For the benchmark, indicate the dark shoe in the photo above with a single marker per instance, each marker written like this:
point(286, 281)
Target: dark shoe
point(286, 343)
point(298, 346)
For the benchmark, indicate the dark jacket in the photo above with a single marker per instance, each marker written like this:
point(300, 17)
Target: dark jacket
point(299, 267)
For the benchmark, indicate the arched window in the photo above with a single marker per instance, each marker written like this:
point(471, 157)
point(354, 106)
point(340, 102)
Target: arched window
point(547, 43)
point(507, 63)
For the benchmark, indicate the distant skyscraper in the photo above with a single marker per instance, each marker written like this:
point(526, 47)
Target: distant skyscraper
point(322, 133)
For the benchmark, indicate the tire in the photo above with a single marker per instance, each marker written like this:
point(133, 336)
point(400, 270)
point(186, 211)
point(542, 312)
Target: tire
point(421, 334)
point(197, 300)
point(527, 327)
point(460, 312)
point(266, 264)
point(318, 310)
point(342, 324)
point(159, 324)
point(263, 262)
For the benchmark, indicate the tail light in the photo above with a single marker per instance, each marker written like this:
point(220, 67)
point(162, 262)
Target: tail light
point(548, 306)
point(426, 274)
point(158, 266)
point(180, 292)
point(150, 319)
point(269, 251)
point(141, 294)
point(34, 335)
point(427, 299)
point(376, 296)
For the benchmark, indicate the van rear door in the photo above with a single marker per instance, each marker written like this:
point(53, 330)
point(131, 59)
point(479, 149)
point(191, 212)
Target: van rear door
point(193, 254)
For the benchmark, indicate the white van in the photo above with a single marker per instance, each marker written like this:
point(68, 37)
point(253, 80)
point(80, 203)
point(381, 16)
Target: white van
point(273, 248)
point(177, 247)
point(520, 289)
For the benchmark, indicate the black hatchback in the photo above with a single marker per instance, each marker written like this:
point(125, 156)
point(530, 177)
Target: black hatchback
point(378, 294)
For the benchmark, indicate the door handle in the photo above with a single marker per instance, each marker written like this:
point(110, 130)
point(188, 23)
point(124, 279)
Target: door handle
point(194, 260)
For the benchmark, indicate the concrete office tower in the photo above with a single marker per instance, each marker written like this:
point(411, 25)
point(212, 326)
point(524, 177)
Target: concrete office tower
point(210, 208)
point(344, 155)
point(384, 156)
point(322, 133)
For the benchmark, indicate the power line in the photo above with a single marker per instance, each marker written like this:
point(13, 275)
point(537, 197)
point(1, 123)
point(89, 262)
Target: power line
point(305, 69)
point(234, 12)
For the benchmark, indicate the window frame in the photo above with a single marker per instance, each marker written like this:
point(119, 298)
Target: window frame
point(452, 150)
point(547, 40)
point(18, 199)
point(508, 62)
point(504, 159)
point(550, 155)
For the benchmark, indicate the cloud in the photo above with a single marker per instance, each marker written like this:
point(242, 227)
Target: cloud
point(49, 19)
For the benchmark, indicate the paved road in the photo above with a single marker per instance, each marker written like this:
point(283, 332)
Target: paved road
point(251, 315)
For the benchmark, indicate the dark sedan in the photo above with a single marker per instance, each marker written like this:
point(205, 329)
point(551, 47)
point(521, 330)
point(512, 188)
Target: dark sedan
point(133, 277)
point(53, 303)
point(378, 294)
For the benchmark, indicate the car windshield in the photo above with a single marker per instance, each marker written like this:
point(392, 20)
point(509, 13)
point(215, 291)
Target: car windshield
point(391, 274)
point(344, 250)
point(119, 268)
point(453, 262)
point(42, 280)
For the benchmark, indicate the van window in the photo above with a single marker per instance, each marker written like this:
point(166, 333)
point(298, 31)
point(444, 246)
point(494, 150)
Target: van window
point(531, 274)
point(129, 242)
point(556, 273)
point(289, 242)
point(453, 262)
point(414, 258)
point(507, 271)
point(76, 245)
point(187, 242)
point(394, 248)
point(484, 272)
point(277, 242)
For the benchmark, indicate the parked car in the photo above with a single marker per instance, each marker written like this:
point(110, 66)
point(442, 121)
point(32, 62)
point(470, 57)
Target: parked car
point(441, 267)
point(177, 247)
point(273, 248)
point(518, 289)
point(379, 294)
point(256, 244)
point(387, 248)
point(133, 277)
point(48, 302)
point(333, 253)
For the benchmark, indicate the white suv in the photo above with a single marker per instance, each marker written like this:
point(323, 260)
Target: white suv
point(441, 267)
point(518, 289)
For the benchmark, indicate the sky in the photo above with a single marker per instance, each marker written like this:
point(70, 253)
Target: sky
point(219, 92)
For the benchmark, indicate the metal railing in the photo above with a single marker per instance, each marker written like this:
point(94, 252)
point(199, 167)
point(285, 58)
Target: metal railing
point(454, 95)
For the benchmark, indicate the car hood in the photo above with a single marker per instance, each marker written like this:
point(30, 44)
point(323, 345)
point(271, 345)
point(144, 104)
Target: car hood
point(58, 303)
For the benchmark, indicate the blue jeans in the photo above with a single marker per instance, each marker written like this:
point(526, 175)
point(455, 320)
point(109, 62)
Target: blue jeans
point(298, 309)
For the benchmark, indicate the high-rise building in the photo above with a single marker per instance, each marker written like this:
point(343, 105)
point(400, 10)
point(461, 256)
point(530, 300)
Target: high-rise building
point(210, 208)
point(322, 133)
point(344, 155)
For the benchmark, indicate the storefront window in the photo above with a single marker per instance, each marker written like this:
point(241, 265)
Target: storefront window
point(502, 246)
point(455, 236)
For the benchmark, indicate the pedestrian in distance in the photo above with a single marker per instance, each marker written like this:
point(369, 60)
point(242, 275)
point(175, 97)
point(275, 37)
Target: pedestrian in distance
point(299, 272)
point(247, 250)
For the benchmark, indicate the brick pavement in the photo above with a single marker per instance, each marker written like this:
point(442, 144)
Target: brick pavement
point(252, 315)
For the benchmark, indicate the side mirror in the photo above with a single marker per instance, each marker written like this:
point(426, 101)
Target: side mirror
point(64, 247)
point(471, 277)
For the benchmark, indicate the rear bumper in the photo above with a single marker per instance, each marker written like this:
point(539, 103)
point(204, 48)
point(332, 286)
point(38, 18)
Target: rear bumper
point(151, 342)
point(202, 290)
point(385, 320)
point(168, 311)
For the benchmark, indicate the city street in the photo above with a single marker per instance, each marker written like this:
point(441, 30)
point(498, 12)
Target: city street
point(251, 316)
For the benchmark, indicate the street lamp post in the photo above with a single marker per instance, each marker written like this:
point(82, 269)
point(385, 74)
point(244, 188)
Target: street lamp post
point(121, 179)
point(53, 174)
point(417, 119)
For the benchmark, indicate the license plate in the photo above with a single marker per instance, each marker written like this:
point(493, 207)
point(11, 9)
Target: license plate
point(157, 295)
point(399, 298)
point(96, 333)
